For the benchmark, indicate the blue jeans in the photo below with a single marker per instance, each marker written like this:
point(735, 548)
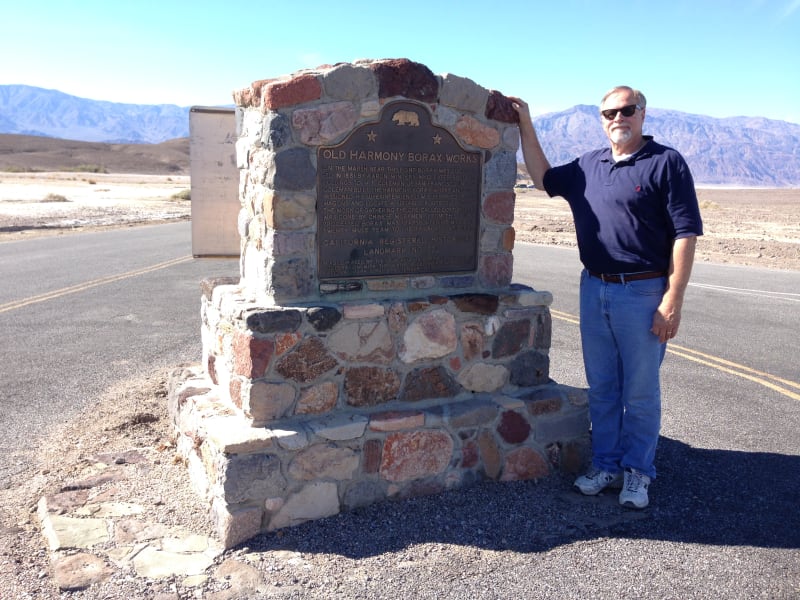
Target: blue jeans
point(622, 359)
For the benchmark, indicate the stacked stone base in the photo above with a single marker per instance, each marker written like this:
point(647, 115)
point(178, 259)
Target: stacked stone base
point(300, 412)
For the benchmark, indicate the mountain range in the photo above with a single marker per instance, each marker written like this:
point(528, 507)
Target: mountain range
point(734, 151)
point(28, 110)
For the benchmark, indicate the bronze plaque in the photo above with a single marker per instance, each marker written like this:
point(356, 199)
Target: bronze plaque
point(398, 197)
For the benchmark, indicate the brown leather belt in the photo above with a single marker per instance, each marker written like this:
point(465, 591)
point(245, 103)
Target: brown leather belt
point(622, 277)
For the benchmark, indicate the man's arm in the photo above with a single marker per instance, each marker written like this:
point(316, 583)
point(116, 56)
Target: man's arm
point(532, 151)
point(667, 318)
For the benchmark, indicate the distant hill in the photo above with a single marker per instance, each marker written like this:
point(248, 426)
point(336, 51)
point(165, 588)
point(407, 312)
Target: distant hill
point(28, 110)
point(21, 153)
point(737, 151)
point(740, 151)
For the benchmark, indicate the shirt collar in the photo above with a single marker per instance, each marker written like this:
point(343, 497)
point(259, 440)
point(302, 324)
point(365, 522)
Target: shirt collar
point(640, 153)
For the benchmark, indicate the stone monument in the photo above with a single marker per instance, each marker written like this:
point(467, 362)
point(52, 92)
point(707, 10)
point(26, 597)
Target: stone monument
point(374, 346)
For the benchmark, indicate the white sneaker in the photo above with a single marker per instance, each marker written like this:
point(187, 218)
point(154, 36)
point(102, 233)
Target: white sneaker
point(596, 480)
point(634, 490)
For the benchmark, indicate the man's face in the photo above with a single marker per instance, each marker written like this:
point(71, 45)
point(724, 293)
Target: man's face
point(622, 130)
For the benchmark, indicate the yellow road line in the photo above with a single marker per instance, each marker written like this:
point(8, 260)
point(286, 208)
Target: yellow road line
point(88, 285)
point(726, 366)
point(759, 380)
point(565, 317)
point(675, 349)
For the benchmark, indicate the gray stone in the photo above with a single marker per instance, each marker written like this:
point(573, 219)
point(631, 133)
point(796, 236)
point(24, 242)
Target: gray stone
point(158, 564)
point(431, 335)
point(501, 171)
point(276, 131)
point(291, 278)
point(363, 493)
point(348, 82)
point(471, 414)
point(324, 461)
point(324, 123)
point(364, 342)
point(529, 369)
point(323, 318)
point(562, 428)
point(252, 477)
point(463, 93)
point(315, 501)
point(483, 377)
point(292, 170)
point(340, 427)
point(274, 321)
point(68, 532)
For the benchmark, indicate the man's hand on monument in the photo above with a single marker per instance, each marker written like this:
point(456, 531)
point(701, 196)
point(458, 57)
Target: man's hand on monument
point(522, 108)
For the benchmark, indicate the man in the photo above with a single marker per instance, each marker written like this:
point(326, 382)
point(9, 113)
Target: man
point(637, 221)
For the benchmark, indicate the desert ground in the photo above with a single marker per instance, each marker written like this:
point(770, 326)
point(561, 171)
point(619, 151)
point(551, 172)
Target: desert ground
point(756, 227)
point(33, 204)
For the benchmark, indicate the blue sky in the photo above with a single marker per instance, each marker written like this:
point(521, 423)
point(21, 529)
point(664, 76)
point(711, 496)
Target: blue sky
point(713, 57)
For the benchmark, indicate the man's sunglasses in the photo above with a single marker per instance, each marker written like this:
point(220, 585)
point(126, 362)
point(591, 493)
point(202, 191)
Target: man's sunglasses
point(627, 111)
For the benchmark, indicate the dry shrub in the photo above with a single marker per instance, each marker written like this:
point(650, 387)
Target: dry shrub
point(55, 198)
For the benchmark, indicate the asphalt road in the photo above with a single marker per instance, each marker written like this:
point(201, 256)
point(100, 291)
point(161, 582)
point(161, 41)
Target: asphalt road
point(79, 313)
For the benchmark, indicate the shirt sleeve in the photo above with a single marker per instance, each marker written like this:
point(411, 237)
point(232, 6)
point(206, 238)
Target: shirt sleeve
point(682, 205)
point(558, 180)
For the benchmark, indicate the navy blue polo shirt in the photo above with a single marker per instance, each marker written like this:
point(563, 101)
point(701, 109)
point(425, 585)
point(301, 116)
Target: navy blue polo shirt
point(627, 214)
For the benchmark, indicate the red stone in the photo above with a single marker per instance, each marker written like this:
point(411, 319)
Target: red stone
point(415, 455)
point(297, 90)
point(511, 338)
point(490, 453)
point(499, 108)
point(396, 420)
point(499, 207)
point(497, 269)
point(509, 237)
point(372, 456)
point(370, 386)
point(307, 361)
point(470, 454)
point(429, 382)
point(285, 342)
point(402, 77)
point(472, 340)
point(211, 368)
point(318, 399)
point(250, 96)
point(483, 304)
point(235, 390)
point(251, 355)
point(544, 406)
point(523, 464)
point(513, 427)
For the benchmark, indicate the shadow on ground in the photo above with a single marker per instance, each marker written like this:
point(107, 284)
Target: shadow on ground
point(716, 497)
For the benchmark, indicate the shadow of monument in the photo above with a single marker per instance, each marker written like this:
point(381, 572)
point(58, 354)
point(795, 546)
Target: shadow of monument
point(701, 496)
